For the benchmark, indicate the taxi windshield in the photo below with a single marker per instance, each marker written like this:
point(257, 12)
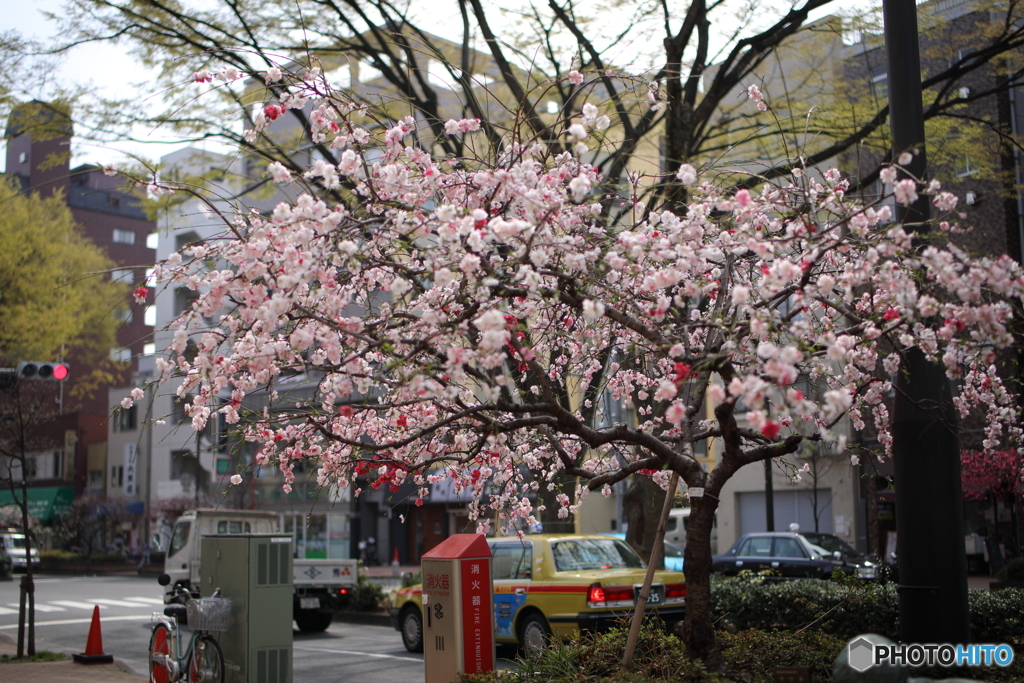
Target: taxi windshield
point(594, 553)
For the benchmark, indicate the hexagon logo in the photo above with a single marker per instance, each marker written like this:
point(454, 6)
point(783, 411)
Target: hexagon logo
point(861, 655)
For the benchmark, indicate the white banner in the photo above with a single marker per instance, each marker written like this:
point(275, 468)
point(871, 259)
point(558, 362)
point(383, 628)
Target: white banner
point(129, 469)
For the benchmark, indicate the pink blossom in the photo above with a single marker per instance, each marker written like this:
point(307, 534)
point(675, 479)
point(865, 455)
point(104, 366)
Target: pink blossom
point(575, 77)
point(906, 191)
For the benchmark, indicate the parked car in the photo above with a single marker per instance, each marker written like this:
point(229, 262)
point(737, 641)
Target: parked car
point(793, 555)
point(14, 543)
point(553, 585)
point(672, 553)
point(678, 524)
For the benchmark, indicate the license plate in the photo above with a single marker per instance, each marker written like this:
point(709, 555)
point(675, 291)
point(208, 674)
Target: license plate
point(655, 595)
point(309, 603)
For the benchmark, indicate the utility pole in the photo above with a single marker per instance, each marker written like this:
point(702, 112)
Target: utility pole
point(929, 496)
point(769, 497)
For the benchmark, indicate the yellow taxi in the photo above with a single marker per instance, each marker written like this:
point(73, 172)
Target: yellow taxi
point(552, 585)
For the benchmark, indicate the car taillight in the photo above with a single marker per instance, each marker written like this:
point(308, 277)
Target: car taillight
point(342, 591)
point(609, 596)
point(675, 591)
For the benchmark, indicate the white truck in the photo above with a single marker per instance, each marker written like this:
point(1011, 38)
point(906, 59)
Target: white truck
point(317, 582)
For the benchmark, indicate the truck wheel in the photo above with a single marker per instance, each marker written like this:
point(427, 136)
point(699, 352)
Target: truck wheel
point(411, 625)
point(534, 632)
point(312, 621)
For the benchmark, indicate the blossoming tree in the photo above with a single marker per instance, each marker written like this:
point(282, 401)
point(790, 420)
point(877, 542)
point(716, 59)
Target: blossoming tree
point(468, 319)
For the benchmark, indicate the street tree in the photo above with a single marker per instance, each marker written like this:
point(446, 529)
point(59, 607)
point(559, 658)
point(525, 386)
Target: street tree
point(473, 320)
point(55, 303)
point(505, 63)
point(667, 76)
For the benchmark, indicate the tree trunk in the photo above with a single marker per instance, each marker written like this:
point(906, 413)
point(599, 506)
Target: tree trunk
point(549, 515)
point(698, 632)
point(642, 505)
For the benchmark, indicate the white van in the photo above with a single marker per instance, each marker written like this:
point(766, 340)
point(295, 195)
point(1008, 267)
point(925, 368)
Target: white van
point(14, 543)
point(679, 521)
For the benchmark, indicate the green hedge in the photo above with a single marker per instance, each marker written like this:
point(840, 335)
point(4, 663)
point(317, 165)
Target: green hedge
point(662, 658)
point(743, 603)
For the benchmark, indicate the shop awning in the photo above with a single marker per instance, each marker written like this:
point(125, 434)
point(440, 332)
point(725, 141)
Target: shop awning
point(44, 503)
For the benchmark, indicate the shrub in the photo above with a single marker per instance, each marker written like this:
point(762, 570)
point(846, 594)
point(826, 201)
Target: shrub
point(751, 603)
point(58, 556)
point(660, 657)
point(108, 557)
point(595, 657)
point(1012, 570)
point(759, 652)
point(366, 596)
point(844, 609)
point(997, 617)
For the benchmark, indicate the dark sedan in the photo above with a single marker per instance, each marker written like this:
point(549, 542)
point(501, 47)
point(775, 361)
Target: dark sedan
point(792, 555)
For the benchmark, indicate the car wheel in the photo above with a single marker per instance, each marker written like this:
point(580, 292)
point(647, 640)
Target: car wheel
point(311, 621)
point(534, 632)
point(411, 624)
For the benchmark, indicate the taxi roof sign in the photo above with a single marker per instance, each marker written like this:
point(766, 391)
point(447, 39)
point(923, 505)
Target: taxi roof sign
point(458, 546)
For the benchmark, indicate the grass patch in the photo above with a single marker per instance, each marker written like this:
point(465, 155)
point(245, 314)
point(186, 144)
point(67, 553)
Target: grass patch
point(39, 656)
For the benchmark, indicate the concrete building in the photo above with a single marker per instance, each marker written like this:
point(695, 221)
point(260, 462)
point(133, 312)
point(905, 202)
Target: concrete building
point(76, 463)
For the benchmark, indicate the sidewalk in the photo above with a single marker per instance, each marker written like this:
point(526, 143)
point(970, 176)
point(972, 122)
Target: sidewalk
point(56, 672)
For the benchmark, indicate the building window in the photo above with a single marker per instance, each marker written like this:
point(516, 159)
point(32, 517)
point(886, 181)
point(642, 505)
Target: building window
point(126, 275)
point(125, 420)
point(149, 349)
point(125, 315)
point(963, 55)
point(124, 236)
point(965, 167)
point(121, 355)
point(880, 82)
point(149, 317)
point(116, 476)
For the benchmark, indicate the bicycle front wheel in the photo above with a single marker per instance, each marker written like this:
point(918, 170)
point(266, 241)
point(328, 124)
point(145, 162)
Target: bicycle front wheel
point(206, 665)
point(159, 654)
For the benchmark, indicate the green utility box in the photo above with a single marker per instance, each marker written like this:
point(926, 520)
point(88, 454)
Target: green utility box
point(255, 571)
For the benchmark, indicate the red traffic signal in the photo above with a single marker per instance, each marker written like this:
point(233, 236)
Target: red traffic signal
point(28, 369)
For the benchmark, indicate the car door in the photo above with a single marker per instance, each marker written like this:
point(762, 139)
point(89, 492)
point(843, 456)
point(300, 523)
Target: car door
point(755, 553)
point(789, 558)
point(511, 573)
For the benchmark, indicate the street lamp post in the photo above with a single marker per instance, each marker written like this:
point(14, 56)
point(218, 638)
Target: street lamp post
point(929, 496)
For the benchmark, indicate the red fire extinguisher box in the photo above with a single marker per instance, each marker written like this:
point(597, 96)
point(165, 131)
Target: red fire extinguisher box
point(458, 608)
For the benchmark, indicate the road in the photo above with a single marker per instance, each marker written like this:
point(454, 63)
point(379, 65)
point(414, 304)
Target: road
point(345, 652)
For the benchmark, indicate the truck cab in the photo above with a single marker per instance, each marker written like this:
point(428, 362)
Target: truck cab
point(316, 583)
point(182, 561)
point(13, 543)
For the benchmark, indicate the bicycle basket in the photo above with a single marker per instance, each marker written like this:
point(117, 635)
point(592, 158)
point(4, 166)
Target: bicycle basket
point(209, 614)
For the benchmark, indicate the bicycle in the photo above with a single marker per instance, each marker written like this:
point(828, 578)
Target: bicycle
point(202, 660)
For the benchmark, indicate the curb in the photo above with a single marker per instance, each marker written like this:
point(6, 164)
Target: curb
point(119, 663)
point(363, 618)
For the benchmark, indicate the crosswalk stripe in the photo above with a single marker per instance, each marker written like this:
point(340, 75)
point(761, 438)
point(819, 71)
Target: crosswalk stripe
point(4, 611)
point(75, 604)
point(118, 603)
point(41, 607)
point(151, 601)
point(63, 622)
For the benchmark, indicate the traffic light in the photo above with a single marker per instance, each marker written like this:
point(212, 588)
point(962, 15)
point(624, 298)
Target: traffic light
point(51, 372)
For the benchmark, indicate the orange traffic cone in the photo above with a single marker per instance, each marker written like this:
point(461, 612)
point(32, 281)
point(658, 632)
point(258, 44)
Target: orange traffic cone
point(94, 646)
